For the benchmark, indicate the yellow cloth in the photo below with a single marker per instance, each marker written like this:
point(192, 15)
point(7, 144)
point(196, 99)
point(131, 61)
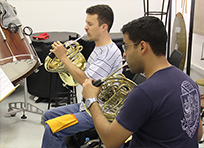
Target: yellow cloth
point(61, 122)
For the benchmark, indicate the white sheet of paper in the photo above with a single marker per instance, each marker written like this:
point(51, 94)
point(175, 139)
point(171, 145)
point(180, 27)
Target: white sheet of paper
point(6, 86)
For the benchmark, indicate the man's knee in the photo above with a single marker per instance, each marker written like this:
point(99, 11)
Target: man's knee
point(48, 129)
point(46, 116)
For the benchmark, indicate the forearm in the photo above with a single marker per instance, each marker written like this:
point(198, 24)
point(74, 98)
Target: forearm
point(100, 122)
point(112, 134)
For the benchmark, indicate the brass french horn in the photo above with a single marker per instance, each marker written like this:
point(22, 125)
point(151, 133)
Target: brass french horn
point(53, 64)
point(113, 94)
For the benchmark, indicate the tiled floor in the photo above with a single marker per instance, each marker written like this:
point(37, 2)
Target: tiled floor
point(27, 133)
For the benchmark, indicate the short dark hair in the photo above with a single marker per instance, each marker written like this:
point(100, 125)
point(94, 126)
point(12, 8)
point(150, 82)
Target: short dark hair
point(150, 29)
point(104, 12)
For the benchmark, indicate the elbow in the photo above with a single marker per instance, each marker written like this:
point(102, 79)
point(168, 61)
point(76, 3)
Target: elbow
point(111, 144)
point(200, 134)
point(200, 131)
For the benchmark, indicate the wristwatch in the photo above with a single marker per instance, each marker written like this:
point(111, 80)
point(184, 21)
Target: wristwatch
point(89, 102)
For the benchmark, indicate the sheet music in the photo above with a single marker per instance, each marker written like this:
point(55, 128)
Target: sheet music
point(6, 86)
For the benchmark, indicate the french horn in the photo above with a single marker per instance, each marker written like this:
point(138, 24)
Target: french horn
point(53, 64)
point(113, 94)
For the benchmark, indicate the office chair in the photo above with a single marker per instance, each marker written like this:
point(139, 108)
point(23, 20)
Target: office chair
point(139, 78)
point(175, 58)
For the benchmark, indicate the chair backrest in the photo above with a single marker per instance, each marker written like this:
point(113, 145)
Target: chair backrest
point(175, 58)
point(139, 78)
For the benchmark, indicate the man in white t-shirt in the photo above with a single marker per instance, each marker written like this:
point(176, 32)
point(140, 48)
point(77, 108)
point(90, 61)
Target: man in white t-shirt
point(106, 57)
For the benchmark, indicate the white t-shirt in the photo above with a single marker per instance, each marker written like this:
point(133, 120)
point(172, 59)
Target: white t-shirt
point(102, 62)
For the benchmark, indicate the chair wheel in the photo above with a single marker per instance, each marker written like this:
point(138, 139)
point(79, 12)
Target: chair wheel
point(23, 117)
point(12, 114)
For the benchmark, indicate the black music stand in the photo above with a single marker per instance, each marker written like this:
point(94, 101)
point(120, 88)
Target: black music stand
point(164, 12)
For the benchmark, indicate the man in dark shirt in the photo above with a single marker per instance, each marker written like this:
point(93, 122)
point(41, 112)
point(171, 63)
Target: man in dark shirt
point(163, 111)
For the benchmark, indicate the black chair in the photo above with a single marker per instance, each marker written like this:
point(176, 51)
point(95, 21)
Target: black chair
point(175, 58)
point(139, 78)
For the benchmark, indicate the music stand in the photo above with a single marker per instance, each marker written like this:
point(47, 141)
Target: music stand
point(147, 12)
point(15, 107)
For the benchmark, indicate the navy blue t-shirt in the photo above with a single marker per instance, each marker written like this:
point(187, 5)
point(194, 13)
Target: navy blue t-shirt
point(163, 111)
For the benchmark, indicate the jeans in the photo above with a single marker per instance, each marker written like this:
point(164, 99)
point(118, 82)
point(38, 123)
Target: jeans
point(57, 140)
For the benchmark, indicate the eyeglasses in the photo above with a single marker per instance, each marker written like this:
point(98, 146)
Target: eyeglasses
point(124, 47)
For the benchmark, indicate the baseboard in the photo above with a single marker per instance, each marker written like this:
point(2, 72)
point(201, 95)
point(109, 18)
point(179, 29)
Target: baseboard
point(198, 69)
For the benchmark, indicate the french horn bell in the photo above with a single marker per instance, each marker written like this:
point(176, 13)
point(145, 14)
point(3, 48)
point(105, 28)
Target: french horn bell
point(113, 94)
point(53, 64)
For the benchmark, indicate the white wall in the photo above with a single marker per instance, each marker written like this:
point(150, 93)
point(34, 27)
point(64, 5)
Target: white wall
point(197, 45)
point(69, 15)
